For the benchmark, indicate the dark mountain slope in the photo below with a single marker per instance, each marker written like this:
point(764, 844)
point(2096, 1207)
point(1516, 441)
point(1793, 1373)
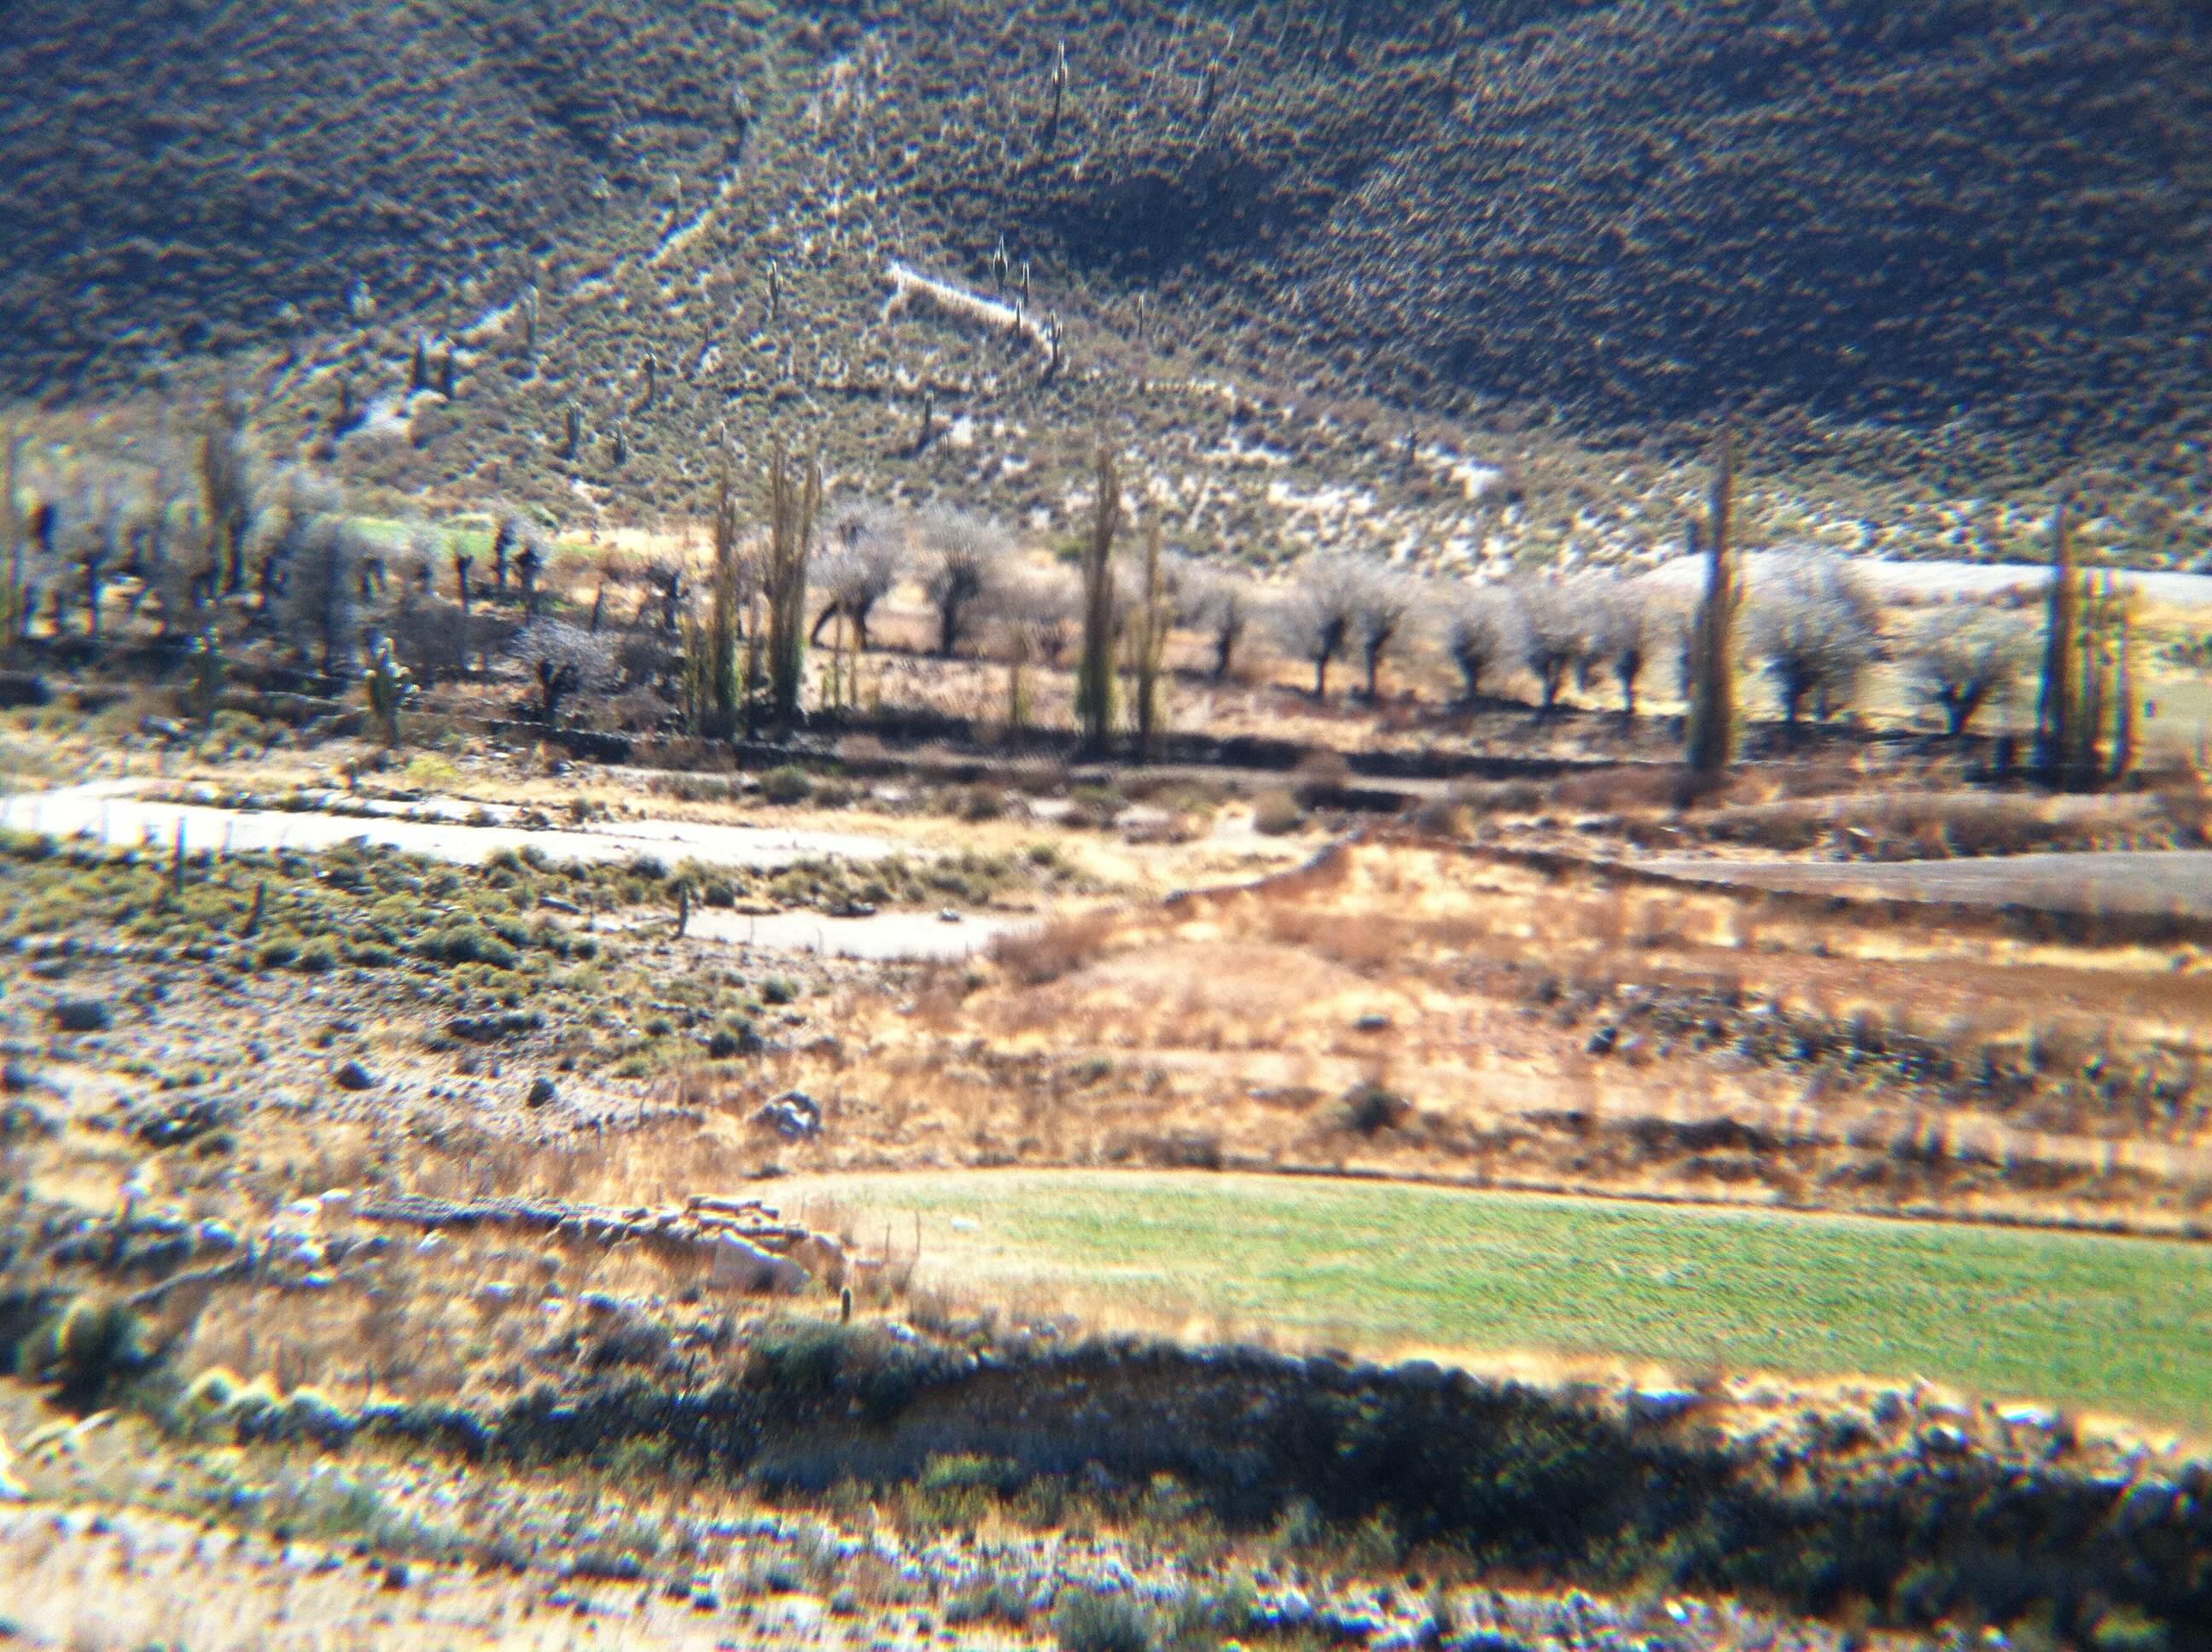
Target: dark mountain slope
point(1967, 242)
point(1641, 211)
point(192, 175)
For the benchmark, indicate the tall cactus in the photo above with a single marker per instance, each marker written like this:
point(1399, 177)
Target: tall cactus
point(2085, 723)
point(1710, 727)
point(389, 690)
point(1094, 673)
point(1148, 643)
point(12, 600)
point(712, 656)
point(2056, 709)
point(794, 503)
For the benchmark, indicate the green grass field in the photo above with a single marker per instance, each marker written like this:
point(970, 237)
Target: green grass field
point(2112, 1324)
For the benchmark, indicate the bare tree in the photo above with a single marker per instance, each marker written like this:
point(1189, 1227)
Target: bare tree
point(431, 637)
point(285, 506)
point(1315, 616)
point(1383, 606)
point(1622, 633)
point(1037, 609)
point(1219, 602)
point(564, 659)
point(228, 488)
point(964, 562)
point(1962, 659)
point(1480, 633)
point(1814, 625)
point(865, 548)
point(323, 554)
point(1554, 627)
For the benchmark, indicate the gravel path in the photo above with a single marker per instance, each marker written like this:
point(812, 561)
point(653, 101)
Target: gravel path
point(2149, 881)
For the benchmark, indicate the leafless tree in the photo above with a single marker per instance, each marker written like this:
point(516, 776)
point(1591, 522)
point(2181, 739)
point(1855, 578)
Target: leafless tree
point(1815, 625)
point(1552, 623)
point(865, 548)
point(1039, 610)
point(564, 660)
point(963, 561)
point(1383, 614)
point(1316, 616)
point(1219, 602)
point(1480, 634)
point(229, 487)
point(1962, 659)
point(319, 604)
point(1623, 632)
point(287, 505)
point(433, 638)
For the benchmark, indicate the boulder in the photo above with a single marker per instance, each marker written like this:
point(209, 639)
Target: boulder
point(83, 1015)
point(740, 1265)
point(794, 1116)
point(353, 1076)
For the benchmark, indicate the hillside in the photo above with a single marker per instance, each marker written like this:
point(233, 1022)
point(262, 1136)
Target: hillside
point(1315, 262)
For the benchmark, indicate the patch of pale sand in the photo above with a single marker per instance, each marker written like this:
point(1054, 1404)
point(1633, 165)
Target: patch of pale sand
point(114, 815)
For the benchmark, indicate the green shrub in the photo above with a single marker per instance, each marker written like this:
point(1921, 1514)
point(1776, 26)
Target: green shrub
point(90, 1350)
point(966, 1470)
point(464, 942)
point(2125, 1629)
point(277, 951)
point(1084, 1621)
point(789, 784)
point(319, 956)
point(776, 989)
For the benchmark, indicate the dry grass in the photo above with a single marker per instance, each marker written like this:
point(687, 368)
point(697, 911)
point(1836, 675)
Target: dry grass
point(1550, 1027)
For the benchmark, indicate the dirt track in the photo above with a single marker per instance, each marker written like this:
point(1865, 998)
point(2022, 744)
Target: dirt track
point(2177, 882)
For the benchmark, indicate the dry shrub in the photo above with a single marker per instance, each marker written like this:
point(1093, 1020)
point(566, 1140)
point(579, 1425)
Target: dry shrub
point(1319, 777)
point(2186, 805)
point(1928, 826)
point(1276, 814)
point(1065, 944)
point(1499, 797)
point(1630, 786)
point(1441, 817)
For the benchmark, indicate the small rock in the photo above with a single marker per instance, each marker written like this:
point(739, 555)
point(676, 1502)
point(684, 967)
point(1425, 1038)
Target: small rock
point(1374, 1022)
point(353, 1076)
point(1660, 1405)
point(1943, 1438)
point(543, 1092)
point(794, 1116)
point(83, 1015)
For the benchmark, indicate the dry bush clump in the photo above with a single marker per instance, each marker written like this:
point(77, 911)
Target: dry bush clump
point(1057, 948)
point(1947, 825)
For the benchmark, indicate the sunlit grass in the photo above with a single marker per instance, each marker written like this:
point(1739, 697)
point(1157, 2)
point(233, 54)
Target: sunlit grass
point(2108, 1324)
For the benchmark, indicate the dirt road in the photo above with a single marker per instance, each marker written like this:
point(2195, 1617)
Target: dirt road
point(2150, 883)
